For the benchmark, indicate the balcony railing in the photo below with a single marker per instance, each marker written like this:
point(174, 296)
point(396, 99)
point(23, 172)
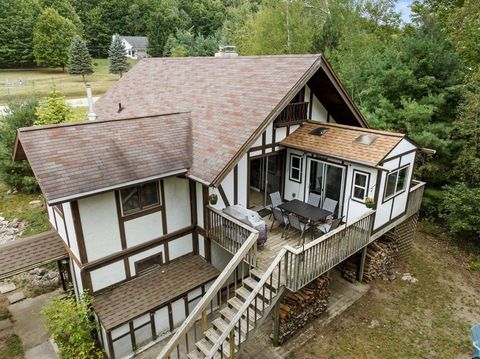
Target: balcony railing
point(294, 114)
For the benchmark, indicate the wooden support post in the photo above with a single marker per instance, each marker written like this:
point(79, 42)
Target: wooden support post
point(231, 342)
point(362, 264)
point(204, 321)
point(276, 325)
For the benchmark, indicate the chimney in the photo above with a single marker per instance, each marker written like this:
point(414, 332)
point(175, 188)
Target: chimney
point(226, 51)
point(91, 112)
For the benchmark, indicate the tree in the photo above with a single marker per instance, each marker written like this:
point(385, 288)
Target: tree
point(17, 175)
point(79, 60)
point(117, 58)
point(71, 323)
point(52, 110)
point(65, 9)
point(184, 43)
point(51, 38)
point(17, 21)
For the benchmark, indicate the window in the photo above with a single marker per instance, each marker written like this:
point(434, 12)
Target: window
point(138, 198)
point(360, 185)
point(295, 168)
point(148, 263)
point(396, 182)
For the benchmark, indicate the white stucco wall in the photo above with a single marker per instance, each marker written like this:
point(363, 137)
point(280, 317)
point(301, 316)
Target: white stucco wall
point(177, 203)
point(180, 246)
point(143, 229)
point(108, 275)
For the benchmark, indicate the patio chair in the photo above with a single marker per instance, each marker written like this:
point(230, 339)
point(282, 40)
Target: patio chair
point(276, 199)
point(476, 340)
point(281, 218)
point(329, 205)
point(314, 199)
point(327, 227)
point(295, 223)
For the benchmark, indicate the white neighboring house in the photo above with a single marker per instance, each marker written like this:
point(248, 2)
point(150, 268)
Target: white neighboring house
point(135, 46)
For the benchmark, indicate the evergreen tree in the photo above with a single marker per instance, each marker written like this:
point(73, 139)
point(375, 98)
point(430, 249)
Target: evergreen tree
point(117, 58)
point(17, 20)
point(52, 110)
point(79, 60)
point(51, 39)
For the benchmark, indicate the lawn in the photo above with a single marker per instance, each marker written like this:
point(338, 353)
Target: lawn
point(18, 83)
point(427, 319)
point(17, 206)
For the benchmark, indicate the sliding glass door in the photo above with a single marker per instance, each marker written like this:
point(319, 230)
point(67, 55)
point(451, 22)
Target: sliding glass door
point(266, 175)
point(327, 180)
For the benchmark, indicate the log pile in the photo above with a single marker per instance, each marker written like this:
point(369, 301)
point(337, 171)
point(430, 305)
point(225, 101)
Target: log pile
point(378, 261)
point(297, 309)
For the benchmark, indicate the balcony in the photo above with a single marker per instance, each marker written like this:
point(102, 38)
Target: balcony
point(294, 114)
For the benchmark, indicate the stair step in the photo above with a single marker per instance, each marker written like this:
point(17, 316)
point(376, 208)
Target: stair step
point(243, 294)
point(204, 345)
point(258, 274)
point(195, 355)
point(229, 314)
point(236, 304)
point(214, 335)
point(265, 293)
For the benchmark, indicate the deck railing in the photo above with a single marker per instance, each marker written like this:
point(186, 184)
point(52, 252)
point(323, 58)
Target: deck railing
point(292, 114)
point(306, 263)
point(415, 197)
point(229, 233)
point(195, 325)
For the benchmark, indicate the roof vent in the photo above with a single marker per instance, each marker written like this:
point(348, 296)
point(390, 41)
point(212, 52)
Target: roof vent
point(319, 131)
point(366, 139)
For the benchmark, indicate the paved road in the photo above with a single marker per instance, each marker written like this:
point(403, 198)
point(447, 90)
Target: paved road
point(77, 102)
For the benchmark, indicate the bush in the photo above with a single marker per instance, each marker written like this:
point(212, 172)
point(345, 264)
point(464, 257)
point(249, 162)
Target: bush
point(71, 324)
point(460, 209)
point(53, 109)
point(18, 175)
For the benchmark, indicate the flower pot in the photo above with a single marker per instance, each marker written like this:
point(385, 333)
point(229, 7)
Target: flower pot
point(369, 205)
point(213, 199)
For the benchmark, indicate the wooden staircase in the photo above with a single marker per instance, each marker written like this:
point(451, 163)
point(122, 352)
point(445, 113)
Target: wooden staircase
point(250, 319)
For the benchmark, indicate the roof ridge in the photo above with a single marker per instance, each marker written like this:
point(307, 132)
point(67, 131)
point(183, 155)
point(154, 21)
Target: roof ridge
point(232, 58)
point(361, 129)
point(86, 122)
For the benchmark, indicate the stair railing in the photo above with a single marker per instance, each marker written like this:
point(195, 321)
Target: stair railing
point(231, 277)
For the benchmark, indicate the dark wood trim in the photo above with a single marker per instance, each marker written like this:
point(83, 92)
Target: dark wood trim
point(310, 109)
point(207, 242)
point(152, 323)
point(72, 255)
point(86, 280)
point(77, 224)
point(170, 315)
point(141, 213)
point(385, 200)
point(54, 218)
point(385, 159)
point(164, 211)
point(200, 231)
point(132, 335)
point(224, 196)
point(353, 184)
point(115, 257)
point(235, 184)
point(290, 167)
point(110, 344)
point(288, 131)
point(264, 141)
point(193, 214)
point(328, 116)
point(377, 190)
point(121, 226)
point(59, 212)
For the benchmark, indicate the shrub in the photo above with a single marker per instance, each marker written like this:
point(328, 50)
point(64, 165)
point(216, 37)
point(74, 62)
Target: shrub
point(71, 324)
point(18, 175)
point(53, 109)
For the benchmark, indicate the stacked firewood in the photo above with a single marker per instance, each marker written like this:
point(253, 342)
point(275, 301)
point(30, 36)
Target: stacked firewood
point(297, 309)
point(378, 261)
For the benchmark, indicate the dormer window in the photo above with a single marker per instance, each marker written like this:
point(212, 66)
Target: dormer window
point(138, 198)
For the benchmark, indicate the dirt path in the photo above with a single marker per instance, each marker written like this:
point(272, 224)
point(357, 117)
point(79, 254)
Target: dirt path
point(427, 319)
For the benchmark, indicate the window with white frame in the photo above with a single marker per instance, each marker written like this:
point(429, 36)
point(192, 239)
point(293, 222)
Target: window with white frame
point(295, 168)
point(396, 182)
point(360, 185)
point(138, 198)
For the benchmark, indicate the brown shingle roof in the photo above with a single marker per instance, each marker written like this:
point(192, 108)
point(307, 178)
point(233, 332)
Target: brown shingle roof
point(140, 295)
point(339, 142)
point(80, 158)
point(27, 253)
point(229, 98)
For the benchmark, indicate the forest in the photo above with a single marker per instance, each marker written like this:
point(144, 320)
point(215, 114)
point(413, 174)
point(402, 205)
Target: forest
point(421, 78)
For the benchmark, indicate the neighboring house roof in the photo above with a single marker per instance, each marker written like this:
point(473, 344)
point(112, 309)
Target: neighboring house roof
point(340, 141)
point(159, 286)
point(24, 254)
point(137, 42)
point(231, 100)
point(78, 159)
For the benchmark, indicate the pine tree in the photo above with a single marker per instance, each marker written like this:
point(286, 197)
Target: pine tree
point(79, 60)
point(117, 58)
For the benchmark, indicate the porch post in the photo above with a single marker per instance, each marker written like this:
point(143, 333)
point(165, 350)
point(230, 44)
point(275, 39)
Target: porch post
point(276, 324)
point(362, 264)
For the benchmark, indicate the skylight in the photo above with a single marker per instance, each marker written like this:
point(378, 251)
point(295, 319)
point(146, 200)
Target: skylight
point(366, 139)
point(319, 131)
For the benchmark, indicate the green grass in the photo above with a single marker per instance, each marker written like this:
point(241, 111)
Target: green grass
point(17, 206)
point(11, 348)
point(39, 81)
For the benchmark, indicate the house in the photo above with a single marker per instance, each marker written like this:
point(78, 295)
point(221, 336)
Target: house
point(130, 194)
point(135, 46)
